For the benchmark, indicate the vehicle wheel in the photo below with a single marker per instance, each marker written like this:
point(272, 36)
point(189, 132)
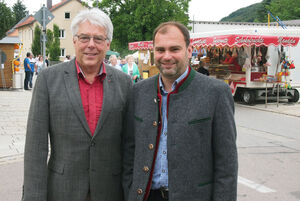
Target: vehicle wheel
point(248, 96)
point(295, 97)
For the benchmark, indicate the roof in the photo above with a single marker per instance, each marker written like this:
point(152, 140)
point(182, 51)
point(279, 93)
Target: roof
point(60, 4)
point(10, 40)
point(25, 21)
point(30, 19)
point(287, 22)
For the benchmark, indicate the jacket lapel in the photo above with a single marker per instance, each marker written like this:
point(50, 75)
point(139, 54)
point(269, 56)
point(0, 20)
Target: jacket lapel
point(108, 97)
point(73, 92)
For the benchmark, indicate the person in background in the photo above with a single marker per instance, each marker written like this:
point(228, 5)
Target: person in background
point(27, 68)
point(68, 58)
point(204, 66)
point(232, 60)
point(39, 64)
point(131, 69)
point(123, 62)
point(181, 129)
point(114, 62)
point(46, 61)
point(79, 106)
point(33, 69)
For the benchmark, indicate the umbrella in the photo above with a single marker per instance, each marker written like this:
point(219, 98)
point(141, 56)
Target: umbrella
point(109, 52)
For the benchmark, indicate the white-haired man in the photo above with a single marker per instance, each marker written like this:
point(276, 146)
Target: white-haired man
point(80, 106)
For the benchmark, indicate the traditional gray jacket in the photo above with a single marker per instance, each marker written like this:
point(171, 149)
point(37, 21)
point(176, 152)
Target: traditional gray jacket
point(202, 153)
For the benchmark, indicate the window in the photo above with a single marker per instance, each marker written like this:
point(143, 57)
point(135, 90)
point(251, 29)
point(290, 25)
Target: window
point(61, 33)
point(67, 15)
point(62, 52)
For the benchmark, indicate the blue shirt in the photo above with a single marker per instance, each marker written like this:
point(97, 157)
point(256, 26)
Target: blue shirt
point(160, 173)
point(26, 61)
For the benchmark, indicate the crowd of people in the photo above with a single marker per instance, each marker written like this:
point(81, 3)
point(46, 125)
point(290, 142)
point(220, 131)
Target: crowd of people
point(169, 137)
point(32, 65)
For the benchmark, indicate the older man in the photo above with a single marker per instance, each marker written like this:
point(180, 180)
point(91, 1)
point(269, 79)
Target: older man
point(182, 123)
point(79, 105)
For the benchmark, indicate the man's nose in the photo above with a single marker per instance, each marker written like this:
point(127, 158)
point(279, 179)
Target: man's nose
point(167, 55)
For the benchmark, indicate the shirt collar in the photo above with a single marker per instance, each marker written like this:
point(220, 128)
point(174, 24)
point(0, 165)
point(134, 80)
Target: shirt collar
point(102, 72)
point(181, 77)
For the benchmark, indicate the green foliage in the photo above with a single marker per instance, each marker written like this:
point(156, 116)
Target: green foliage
point(135, 20)
point(36, 44)
point(20, 11)
point(6, 19)
point(284, 9)
point(49, 41)
point(54, 46)
point(242, 14)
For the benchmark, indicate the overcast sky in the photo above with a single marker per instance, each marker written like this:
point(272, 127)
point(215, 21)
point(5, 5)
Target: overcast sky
point(200, 10)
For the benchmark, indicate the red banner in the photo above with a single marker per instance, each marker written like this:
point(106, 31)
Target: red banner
point(140, 45)
point(245, 40)
point(228, 40)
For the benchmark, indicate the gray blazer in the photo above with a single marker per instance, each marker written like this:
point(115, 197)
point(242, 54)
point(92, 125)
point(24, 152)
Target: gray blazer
point(78, 163)
point(202, 153)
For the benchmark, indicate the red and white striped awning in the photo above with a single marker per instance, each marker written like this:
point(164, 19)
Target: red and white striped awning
point(244, 40)
point(228, 40)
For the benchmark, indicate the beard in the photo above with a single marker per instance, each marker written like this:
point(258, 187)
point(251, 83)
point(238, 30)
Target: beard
point(171, 69)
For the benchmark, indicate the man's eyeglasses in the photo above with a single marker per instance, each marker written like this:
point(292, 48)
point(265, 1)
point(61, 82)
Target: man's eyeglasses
point(86, 38)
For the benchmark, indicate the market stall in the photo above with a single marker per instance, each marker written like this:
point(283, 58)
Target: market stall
point(9, 63)
point(257, 67)
point(145, 58)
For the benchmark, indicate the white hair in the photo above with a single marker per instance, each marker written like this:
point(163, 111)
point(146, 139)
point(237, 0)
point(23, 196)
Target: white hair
point(96, 17)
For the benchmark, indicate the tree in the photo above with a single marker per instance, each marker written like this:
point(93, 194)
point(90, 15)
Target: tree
point(262, 12)
point(135, 20)
point(20, 11)
point(36, 44)
point(55, 45)
point(6, 19)
point(285, 9)
point(49, 41)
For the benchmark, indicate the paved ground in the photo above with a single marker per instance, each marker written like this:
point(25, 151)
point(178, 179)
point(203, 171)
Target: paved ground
point(14, 107)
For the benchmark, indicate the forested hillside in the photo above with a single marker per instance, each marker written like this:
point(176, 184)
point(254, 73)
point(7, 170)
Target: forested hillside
point(284, 9)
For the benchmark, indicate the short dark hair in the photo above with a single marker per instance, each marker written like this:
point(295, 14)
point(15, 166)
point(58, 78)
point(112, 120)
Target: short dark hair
point(28, 54)
point(162, 28)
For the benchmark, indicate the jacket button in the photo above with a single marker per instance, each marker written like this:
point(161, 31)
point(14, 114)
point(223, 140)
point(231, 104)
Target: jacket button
point(150, 146)
point(154, 123)
point(139, 191)
point(145, 168)
point(93, 144)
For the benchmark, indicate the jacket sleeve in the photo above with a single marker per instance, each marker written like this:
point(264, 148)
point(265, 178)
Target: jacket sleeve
point(128, 147)
point(36, 144)
point(136, 71)
point(224, 148)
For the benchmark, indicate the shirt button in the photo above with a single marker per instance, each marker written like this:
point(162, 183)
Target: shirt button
point(155, 101)
point(154, 123)
point(164, 152)
point(146, 169)
point(163, 171)
point(150, 146)
point(139, 191)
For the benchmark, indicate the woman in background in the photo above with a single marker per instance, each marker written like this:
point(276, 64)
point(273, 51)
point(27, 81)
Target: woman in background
point(131, 69)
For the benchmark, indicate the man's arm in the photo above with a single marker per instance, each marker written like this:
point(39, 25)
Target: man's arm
point(224, 148)
point(128, 146)
point(36, 145)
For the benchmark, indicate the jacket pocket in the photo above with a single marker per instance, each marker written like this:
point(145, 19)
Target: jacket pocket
point(196, 121)
point(138, 118)
point(56, 167)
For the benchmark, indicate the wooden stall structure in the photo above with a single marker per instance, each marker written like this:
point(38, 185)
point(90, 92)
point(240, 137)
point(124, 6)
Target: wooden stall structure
point(7, 51)
point(145, 58)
